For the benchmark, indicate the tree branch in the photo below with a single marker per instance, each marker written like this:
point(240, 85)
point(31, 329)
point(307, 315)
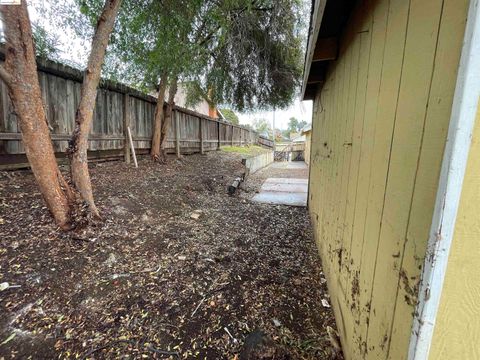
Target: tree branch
point(239, 12)
point(209, 36)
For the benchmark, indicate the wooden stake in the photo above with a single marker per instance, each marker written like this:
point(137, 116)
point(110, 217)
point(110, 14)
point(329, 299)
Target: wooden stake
point(131, 146)
point(202, 150)
point(177, 134)
point(126, 124)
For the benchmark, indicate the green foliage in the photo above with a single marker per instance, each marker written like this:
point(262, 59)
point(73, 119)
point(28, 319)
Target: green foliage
point(75, 19)
point(154, 38)
point(246, 54)
point(262, 127)
point(257, 57)
point(230, 116)
point(248, 151)
point(148, 39)
point(294, 126)
point(46, 44)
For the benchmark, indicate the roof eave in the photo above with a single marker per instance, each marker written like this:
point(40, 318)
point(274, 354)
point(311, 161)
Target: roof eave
point(315, 23)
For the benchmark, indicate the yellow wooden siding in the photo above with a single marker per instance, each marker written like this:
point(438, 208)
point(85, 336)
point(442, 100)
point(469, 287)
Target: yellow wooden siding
point(457, 333)
point(378, 133)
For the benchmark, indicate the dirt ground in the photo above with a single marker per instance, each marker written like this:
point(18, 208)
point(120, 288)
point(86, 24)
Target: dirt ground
point(178, 269)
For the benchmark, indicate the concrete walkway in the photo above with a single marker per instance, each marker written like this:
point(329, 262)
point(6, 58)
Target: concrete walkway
point(284, 190)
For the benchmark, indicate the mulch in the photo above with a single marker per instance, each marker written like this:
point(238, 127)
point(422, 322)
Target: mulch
point(177, 269)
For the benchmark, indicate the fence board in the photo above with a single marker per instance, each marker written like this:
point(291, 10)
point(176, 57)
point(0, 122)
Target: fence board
point(61, 90)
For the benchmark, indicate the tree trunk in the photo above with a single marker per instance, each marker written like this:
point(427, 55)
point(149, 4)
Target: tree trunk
point(83, 120)
point(20, 75)
point(159, 114)
point(172, 91)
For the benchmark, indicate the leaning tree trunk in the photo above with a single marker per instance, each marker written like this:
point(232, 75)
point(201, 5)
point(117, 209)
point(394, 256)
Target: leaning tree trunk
point(20, 76)
point(159, 114)
point(172, 91)
point(78, 146)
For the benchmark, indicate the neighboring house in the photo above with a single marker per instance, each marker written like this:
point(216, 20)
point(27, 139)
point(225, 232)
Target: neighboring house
point(395, 156)
point(293, 135)
point(203, 107)
point(298, 148)
point(298, 139)
point(307, 133)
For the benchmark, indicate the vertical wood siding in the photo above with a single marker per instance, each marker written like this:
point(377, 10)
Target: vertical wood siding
point(379, 129)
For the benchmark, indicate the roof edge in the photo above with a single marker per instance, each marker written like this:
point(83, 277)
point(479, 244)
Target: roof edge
point(314, 29)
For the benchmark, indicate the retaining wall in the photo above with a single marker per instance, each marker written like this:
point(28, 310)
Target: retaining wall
point(258, 162)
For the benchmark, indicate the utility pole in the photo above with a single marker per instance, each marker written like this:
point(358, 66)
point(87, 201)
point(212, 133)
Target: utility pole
point(273, 132)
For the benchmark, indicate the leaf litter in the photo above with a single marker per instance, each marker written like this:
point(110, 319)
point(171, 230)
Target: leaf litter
point(178, 269)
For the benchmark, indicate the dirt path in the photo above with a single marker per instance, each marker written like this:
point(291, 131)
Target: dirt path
point(177, 266)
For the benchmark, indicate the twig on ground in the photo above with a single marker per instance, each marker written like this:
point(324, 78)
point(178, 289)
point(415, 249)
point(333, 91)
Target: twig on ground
point(208, 292)
point(78, 238)
point(116, 276)
point(151, 271)
point(228, 332)
point(198, 306)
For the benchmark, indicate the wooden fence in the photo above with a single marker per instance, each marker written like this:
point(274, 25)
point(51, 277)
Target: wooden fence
point(263, 141)
point(117, 106)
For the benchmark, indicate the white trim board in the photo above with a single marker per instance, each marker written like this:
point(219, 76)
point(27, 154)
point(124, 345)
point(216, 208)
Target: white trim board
point(462, 121)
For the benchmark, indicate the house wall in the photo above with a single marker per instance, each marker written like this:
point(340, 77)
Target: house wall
point(379, 130)
point(181, 100)
point(457, 333)
point(308, 145)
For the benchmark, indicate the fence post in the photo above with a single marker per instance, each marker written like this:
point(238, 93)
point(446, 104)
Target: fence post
point(177, 133)
point(218, 133)
point(232, 133)
point(126, 124)
point(202, 150)
point(241, 137)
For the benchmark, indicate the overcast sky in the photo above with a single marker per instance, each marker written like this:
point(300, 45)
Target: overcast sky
point(71, 48)
point(75, 50)
point(302, 110)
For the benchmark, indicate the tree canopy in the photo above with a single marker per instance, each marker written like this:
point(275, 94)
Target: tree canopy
point(230, 116)
point(155, 38)
point(256, 58)
point(262, 126)
point(46, 44)
point(246, 54)
point(295, 125)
